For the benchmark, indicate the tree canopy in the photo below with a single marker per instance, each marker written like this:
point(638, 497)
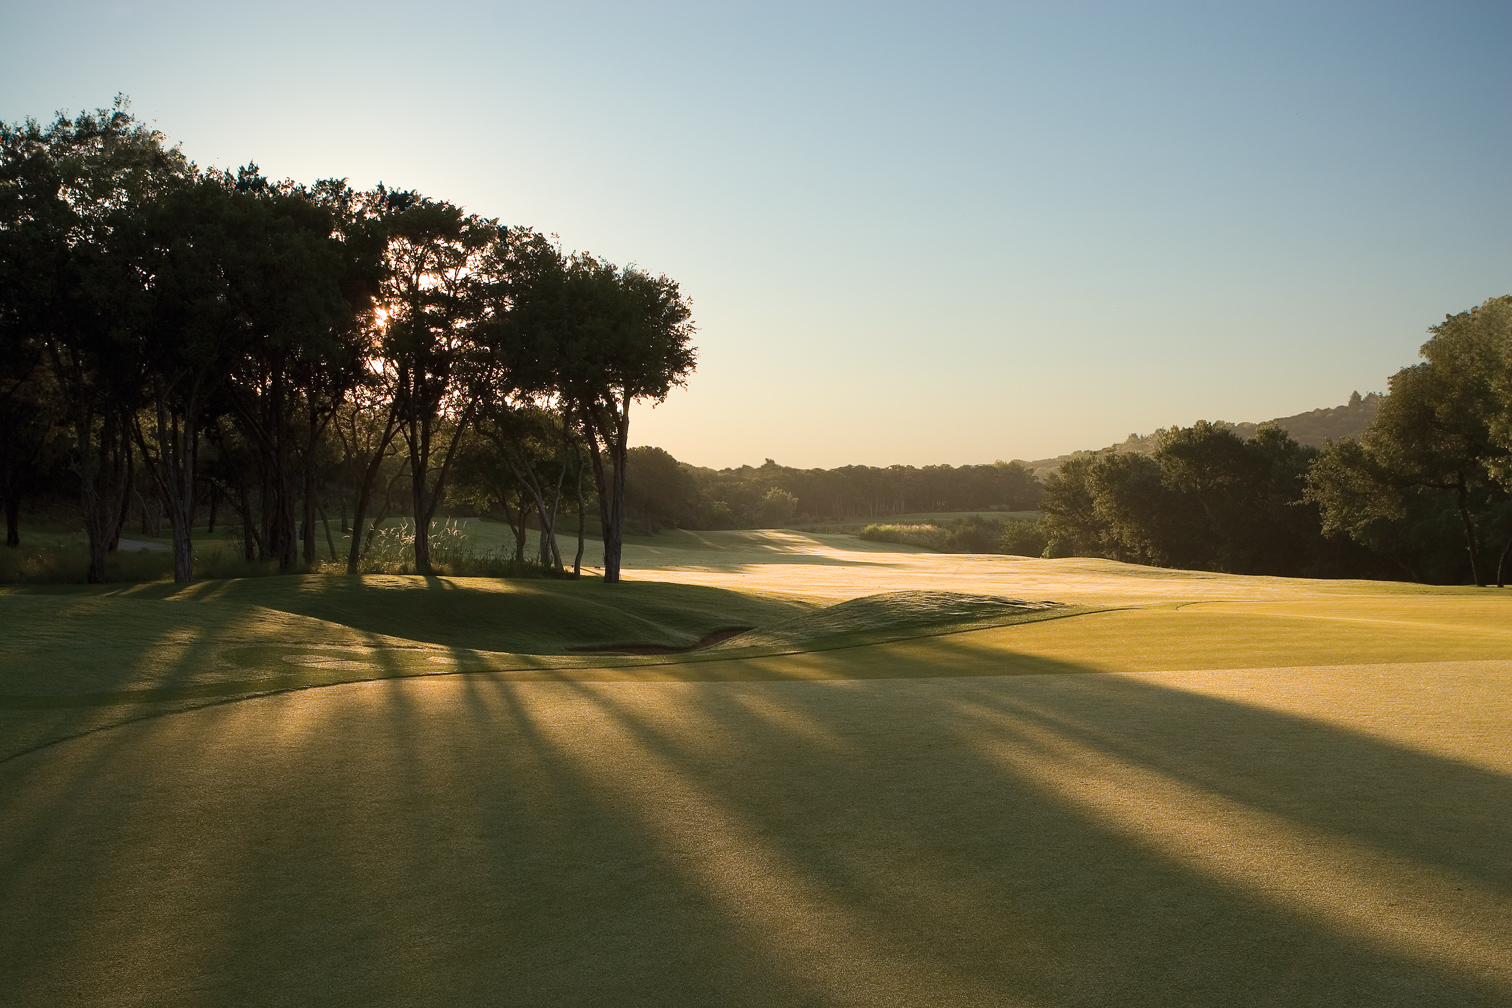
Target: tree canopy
point(295, 336)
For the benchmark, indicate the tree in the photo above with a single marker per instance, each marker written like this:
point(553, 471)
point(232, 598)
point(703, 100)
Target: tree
point(65, 187)
point(235, 277)
point(659, 490)
point(1072, 524)
point(185, 326)
point(600, 337)
point(303, 294)
point(1206, 499)
point(777, 508)
point(1439, 431)
point(535, 449)
point(435, 303)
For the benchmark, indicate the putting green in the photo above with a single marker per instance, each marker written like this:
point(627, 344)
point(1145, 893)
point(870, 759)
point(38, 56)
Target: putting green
point(1254, 791)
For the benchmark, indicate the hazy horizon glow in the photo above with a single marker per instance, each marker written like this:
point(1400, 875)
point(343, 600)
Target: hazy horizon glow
point(911, 235)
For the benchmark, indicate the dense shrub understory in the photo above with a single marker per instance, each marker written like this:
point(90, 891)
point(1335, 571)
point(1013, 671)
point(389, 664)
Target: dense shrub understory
point(972, 534)
point(65, 560)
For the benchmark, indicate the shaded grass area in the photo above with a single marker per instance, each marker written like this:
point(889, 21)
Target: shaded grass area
point(490, 614)
point(74, 659)
point(1059, 841)
point(58, 558)
point(143, 655)
point(471, 547)
point(77, 659)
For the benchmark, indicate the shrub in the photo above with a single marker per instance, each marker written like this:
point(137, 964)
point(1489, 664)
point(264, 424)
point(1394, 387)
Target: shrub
point(452, 553)
point(974, 534)
point(928, 536)
point(1023, 538)
point(777, 508)
point(67, 562)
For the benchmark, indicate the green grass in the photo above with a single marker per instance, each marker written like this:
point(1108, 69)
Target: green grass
point(943, 517)
point(1158, 788)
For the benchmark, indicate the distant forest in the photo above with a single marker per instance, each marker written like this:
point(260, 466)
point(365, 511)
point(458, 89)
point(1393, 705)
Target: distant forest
point(1415, 484)
point(664, 492)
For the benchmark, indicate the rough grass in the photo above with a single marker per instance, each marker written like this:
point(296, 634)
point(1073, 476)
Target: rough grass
point(1181, 789)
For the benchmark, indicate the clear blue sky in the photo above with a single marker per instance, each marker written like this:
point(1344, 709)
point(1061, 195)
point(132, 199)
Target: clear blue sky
point(913, 233)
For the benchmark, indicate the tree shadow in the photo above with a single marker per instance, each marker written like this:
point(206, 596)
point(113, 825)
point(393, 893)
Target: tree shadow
point(1059, 840)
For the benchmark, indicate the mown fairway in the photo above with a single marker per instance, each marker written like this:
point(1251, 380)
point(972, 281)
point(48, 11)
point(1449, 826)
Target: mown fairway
point(1177, 789)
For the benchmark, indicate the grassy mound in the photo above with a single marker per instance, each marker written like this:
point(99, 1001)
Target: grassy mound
point(486, 614)
point(77, 658)
point(891, 616)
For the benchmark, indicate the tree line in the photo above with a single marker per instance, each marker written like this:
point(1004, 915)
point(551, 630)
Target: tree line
point(282, 351)
point(1424, 493)
point(665, 492)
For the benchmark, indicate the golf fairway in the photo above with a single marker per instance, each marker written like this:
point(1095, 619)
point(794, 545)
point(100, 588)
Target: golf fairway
point(1196, 790)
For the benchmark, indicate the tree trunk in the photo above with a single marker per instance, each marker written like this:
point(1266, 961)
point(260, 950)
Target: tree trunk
point(172, 465)
point(556, 509)
point(614, 431)
point(250, 544)
point(309, 514)
point(428, 496)
point(13, 519)
point(518, 528)
point(326, 523)
point(606, 501)
point(120, 525)
point(365, 490)
point(577, 562)
point(621, 455)
point(1462, 494)
point(104, 470)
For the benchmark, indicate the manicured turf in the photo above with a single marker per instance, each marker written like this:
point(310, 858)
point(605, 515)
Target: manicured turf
point(1251, 791)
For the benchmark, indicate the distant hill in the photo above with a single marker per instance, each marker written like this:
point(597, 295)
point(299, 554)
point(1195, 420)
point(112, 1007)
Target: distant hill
point(1310, 428)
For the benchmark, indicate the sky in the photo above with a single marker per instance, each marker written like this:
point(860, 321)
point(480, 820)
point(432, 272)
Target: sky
point(911, 233)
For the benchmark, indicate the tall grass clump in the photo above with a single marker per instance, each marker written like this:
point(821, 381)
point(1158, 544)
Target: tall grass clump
point(392, 551)
point(67, 562)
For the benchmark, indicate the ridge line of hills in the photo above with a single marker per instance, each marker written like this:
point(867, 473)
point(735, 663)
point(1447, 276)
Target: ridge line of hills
point(1311, 428)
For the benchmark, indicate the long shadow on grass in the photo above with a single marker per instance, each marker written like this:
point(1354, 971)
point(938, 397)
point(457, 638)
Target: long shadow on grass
point(965, 841)
point(526, 616)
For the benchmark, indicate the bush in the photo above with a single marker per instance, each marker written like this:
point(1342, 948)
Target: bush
point(974, 534)
point(928, 536)
point(66, 561)
point(1023, 538)
point(452, 553)
point(777, 508)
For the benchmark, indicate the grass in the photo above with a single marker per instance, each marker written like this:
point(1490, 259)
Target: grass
point(855, 525)
point(1165, 788)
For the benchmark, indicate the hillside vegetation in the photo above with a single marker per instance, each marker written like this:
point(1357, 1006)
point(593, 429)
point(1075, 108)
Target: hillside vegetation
point(1311, 428)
